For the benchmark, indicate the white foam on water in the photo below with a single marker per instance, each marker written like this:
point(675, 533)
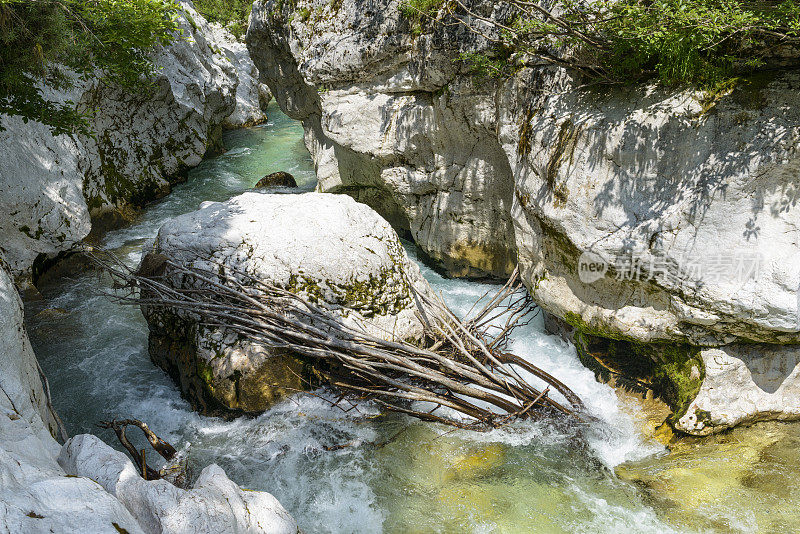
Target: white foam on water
point(322, 463)
point(238, 152)
point(615, 440)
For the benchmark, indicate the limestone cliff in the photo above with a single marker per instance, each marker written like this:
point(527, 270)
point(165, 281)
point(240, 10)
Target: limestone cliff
point(685, 200)
point(54, 190)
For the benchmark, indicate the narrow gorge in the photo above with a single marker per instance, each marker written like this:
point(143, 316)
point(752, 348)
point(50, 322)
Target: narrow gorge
point(658, 185)
point(368, 156)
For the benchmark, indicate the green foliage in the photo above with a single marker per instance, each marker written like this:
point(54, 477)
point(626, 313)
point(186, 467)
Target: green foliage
point(702, 42)
point(696, 41)
point(483, 65)
point(47, 44)
point(419, 12)
point(415, 9)
point(232, 14)
point(494, 63)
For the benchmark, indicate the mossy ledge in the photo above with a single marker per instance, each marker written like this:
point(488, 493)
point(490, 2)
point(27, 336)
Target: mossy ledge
point(673, 371)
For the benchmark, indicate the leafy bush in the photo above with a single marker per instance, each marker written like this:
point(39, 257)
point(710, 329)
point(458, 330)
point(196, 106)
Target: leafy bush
point(702, 42)
point(48, 43)
point(419, 8)
point(695, 41)
point(232, 14)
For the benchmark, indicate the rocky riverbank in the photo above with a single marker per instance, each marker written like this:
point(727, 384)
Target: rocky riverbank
point(685, 198)
point(55, 191)
point(86, 485)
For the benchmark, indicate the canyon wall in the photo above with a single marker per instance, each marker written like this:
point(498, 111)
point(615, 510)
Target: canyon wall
point(55, 189)
point(651, 217)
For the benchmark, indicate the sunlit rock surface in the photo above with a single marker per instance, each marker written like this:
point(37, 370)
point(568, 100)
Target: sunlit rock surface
point(745, 383)
point(87, 486)
point(327, 248)
point(144, 141)
point(213, 504)
point(687, 197)
point(252, 96)
point(384, 126)
point(35, 493)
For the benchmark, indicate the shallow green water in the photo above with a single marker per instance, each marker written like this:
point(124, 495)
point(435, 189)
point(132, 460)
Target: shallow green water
point(397, 474)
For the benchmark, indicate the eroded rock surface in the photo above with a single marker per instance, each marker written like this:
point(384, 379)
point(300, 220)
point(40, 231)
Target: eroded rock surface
point(383, 125)
point(252, 96)
point(52, 187)
point(326, 248)
point(688, 197)
point(87, 486)
point(213, 504)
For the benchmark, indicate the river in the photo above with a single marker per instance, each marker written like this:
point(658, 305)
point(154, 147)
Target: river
point(389, 473)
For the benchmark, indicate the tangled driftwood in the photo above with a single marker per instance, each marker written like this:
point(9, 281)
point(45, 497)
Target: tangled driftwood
point(163, 448)
point(459, 375)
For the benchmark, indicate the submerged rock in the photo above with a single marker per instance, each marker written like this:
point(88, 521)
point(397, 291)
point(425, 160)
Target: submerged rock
point(323, 247)
point(277, 179)
point(701, 485)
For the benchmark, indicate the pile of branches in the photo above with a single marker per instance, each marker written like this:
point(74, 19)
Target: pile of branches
point(458, 375)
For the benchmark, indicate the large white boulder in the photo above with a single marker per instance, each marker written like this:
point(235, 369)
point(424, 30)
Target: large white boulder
point(744, 383)
point(326, 248)
point(387, 121)
point(214, 504)
point(690, 188)
point(41, 193)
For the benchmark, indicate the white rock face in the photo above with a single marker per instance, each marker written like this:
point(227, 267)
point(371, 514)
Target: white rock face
point(691, 194)
point(382, 127)
point(535, 169)
point(50, 186)
point(745, 383)
point(41, 193)
point(87, 486)
point(35, 494)
point(252, 96)
point(327, 248)
point(214, 504)
point(146, 139)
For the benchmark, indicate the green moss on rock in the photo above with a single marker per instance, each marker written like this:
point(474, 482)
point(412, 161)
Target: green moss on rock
point(677, 374)
point(674, 371)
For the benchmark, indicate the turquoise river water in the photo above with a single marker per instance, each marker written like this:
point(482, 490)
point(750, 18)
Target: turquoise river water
point(397, 474)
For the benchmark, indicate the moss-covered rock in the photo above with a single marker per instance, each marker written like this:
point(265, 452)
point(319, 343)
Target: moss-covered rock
point(277, 179)
point(672, 371)
point(326, 248)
